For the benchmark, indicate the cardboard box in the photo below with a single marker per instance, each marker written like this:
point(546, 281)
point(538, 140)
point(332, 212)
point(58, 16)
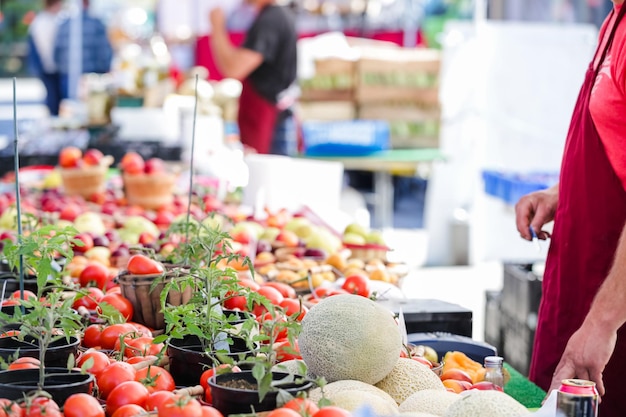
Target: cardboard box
point(327, 110)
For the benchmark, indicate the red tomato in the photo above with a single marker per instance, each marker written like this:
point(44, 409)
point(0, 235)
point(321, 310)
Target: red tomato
point(9, 408)
point(129, 392)
point(208, 396)
point(285, 352)
point(357, 284)
point(98, 360)
point(91, 335)
point(112, 376)
point(304, 406)
point(322, 292)
point(155, 399)
point(112, 333)
point(90, 300)
point(138, 359)
point(28, 295)
point(10, 333)
point(208, 411)
point(141, 329)
point(155, 378)
point(253, 285)
point(272, 294)
point(220, 369)
point(139, 264)
point(42, 407)
point(180, 406)
point(95, 274)
point(332, 411)
point(283, 412)
point(293, 307)
point(119, 302)
point(142, 346)
point(82, 405)
point(236, 302)
point(129, 410)
point(25, 362)
point(285, 290)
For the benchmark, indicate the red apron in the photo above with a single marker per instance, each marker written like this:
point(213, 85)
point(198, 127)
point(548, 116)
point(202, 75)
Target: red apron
point(588, 223)
point(256, 119)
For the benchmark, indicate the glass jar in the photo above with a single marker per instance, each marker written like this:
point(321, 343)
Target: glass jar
point(494, 374)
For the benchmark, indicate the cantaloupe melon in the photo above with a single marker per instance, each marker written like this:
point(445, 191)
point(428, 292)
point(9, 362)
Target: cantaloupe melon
point(352, 400)
point(407, 377)
point(350, 337)
point(292, 366)
point(429, 401)
point(329, 391)
point(486, 404)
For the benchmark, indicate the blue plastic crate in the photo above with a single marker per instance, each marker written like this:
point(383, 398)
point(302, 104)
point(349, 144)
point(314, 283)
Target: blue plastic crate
point(510, 186)
point(345, 138)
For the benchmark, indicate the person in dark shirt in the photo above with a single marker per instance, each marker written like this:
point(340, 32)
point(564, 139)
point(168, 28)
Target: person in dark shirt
point(97, 52)
point(266, 64)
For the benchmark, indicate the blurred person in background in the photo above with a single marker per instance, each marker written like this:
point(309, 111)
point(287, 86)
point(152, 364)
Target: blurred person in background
point(580, 331)
point(266, 64)
point(97, 53)
point(41, 36)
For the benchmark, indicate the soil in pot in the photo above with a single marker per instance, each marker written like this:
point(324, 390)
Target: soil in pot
point(187, 358)
point(59, 383)
point(235, 393)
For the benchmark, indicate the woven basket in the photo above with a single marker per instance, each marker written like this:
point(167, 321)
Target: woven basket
point(149, 191)
point(85, 181)
point(146, 299)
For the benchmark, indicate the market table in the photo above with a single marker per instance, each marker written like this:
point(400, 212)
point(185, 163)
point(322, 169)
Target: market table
point(384, 165)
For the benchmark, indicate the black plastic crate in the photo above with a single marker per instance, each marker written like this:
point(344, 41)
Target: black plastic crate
point(426, 315)
point(493, 325)
point(517, 343)
point(521, 291)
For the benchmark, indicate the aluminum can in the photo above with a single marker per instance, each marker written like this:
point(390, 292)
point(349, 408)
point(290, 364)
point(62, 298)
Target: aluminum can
point(577, 398)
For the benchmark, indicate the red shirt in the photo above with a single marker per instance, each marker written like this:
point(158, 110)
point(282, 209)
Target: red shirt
point(608, 97)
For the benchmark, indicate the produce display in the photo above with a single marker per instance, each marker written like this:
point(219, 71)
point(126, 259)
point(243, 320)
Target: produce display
point(187, 310)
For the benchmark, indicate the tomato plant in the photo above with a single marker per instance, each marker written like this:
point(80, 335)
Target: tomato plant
point(139, 264)
point(357, 284)
point(129, 392)
point(155, 379)
point(82, 405)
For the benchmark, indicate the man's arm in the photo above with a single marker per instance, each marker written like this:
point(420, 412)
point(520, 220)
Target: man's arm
point(590, 348)
point(233, 62)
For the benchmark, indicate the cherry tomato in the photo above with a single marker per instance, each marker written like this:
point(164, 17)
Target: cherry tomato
point(283, 412)
point(120, 303)
point(208, 411)
point(220, 369)
point(95, 274)
point(180, 406)
point(129, 410)
point(90, 300)
point(113, 375)
point(9, 408)
point(25, 362)
point(129, 392)
point(155, 378)
point(98, 360)
point(332, 411)
point(293, 307)
point(357, 284)
point(156, 398)
point(82, 405)
point(139, 264)
point(304, 406)
point(91, 335)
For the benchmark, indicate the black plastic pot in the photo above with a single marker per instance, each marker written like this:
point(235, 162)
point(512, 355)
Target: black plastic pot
point(242, 401)
point(10, 282)
point(59, 383)
point(56, 355)
point(188, 359)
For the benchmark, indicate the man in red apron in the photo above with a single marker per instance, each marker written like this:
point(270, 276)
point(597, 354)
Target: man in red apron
point(580, 332)
point(266, 63)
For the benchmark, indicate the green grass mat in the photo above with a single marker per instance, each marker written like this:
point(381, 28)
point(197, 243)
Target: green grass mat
point(524, 391)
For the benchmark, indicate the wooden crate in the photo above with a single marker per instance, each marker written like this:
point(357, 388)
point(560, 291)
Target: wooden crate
point(327, 110)
point(398, 75)
point(334, 80)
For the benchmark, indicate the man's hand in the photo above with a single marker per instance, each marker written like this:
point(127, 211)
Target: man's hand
point(536, 209)
point(586, 355)
point(217, 19)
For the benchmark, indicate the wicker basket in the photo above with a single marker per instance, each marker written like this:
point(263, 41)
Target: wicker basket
point(85, 181)
point(145, 296)
point(149, 191)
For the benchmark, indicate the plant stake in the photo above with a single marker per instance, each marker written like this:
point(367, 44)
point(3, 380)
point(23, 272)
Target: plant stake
point(16, 160)
point(193, 145)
